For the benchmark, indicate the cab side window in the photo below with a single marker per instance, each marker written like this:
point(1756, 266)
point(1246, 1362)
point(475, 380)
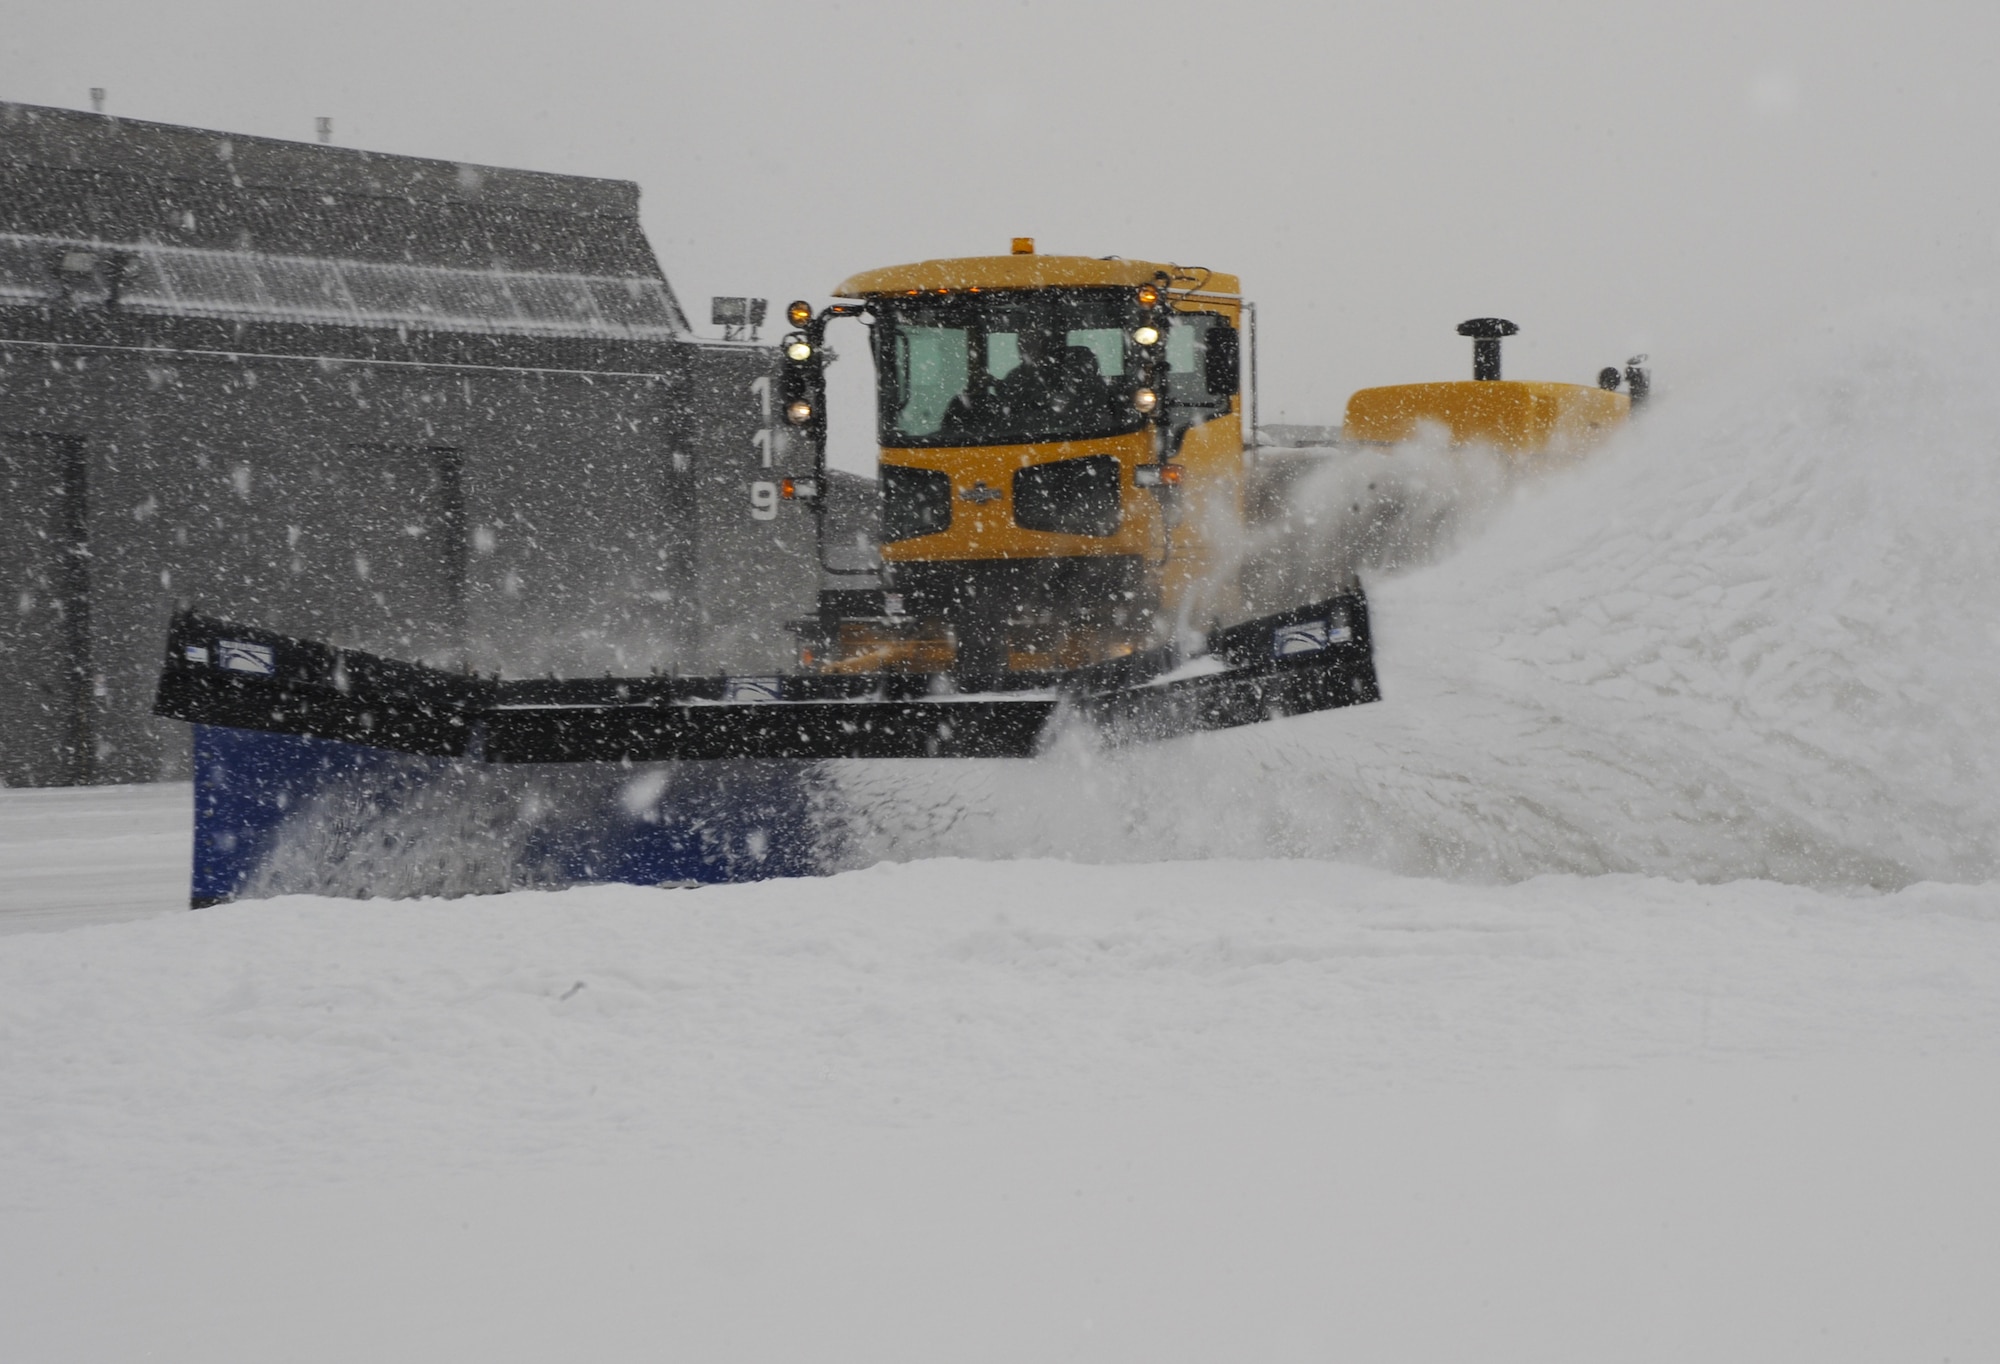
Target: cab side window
point(1201, 363)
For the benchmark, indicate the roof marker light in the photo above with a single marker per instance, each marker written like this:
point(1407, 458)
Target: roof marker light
point(799, 313)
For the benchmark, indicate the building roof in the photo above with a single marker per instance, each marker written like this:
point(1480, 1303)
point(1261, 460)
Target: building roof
point(187, 221)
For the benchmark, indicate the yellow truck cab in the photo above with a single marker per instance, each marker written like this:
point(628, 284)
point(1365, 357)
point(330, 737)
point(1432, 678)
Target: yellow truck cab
point(1061, 461)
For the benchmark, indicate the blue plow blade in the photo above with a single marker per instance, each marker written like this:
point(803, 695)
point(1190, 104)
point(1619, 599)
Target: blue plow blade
point(281, 814)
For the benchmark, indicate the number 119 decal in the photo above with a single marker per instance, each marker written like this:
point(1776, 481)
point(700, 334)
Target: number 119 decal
point(763, 493)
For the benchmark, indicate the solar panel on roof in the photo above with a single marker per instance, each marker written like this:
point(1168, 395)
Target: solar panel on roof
point(257, 285)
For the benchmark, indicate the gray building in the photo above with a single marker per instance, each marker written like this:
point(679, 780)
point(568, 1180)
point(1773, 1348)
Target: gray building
point(439, 411)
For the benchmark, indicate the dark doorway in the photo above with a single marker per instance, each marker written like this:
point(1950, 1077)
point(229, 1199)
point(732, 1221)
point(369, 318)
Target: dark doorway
point(48, 701)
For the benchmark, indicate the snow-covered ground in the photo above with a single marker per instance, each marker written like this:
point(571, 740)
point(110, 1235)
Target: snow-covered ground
point(92, 854)
point(1625, 986)
point(1281, 1110)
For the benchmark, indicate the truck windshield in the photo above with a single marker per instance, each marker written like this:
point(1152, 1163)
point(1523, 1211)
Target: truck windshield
point(1006, 368)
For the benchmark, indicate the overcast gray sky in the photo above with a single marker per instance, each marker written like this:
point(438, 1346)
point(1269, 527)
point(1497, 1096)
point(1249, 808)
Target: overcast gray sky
point(1693, 179)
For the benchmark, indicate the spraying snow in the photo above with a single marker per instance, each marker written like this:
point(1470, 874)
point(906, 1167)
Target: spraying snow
point(1754, 637)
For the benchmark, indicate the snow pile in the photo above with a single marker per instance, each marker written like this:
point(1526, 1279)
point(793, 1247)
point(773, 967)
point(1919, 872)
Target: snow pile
point(1000, 1111)
point(304, 1039)
point(1756, 637)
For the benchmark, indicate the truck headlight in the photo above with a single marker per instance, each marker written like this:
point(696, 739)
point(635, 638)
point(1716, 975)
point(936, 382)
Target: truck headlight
point(1146, 400)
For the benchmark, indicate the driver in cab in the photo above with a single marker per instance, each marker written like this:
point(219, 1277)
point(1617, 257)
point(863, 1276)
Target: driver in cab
point(1055, 386)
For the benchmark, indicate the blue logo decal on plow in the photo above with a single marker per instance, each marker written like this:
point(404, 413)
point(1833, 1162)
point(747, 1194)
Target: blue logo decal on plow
point(241, 656)
point(752, 689)
point(1308, 637)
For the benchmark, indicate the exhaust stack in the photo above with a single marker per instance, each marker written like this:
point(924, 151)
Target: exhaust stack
point(1638, 380)
point(1486, 333)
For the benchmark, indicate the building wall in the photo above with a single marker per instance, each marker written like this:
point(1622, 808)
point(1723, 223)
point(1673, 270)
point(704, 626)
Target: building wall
point(520, 522)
